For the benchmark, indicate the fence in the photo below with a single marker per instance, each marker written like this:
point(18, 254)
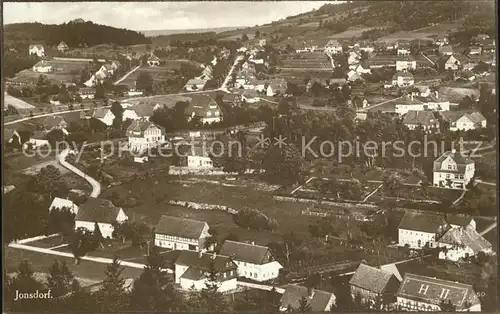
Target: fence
point(195, 205)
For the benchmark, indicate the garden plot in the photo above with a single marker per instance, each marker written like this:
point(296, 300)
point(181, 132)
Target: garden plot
point(337, 190)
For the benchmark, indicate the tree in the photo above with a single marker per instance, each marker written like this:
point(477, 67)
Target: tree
point(23, 282)
point(447, 306)
point(211, 241)
point(154, 291)
point(145, 82)
point(244, 37)
point(97, 234)
point(304, 306)
point(257, 34)
point(82, 242)
point(60, 280)
point(393, 183)
point(210, 298)
point(55, 137)
point(112, 296)
point(117, 110)
point(100, 93)
point(48, 182)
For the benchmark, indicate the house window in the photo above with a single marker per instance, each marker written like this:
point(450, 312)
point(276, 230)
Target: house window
point(254, 275)
point(209, 113)
point(447, 176)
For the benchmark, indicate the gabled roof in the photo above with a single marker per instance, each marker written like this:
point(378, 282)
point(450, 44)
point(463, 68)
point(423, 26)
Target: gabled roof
point(458, 56)
point(180, 227)
point(152, 57)
point(453, 116)
point(293, 294)
point(333, 43)
point(203, 262)
point(466, 236)
point(459, 220)
point(9, 133)
point(100, 113)
point(458, 293)
point(425, 222)
point(52, 121)
point(137, 128)
point(393, 269)
point(38, 46)
point(244, 252)
point(59, 203)
point(277, 84)
point(446, 49)
point(403, 74)
point(62, 44)
point(202, 105)
point(371, 278)
point(419, 117)
point(457, 157)
point(97, 210)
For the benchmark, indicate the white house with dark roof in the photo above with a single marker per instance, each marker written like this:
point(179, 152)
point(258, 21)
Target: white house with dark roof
point(418, 229)
point(87, 92)
point(36, 49)
point(426, 294)
point(333, 46)
point(406, 63)
point(446, 50)
point(153, 61)
point(191, 270)
point(374, 285)
point(462, 243)
point(50, 123)
point(62, 46)
point(403, 79)
point(464, 121)
point(254, 261)
point(102, 212)
point(104, 115)
point(426, 119)
point(61, 203)
point(181, 233)
point(206, 108)
point(196, 158)
point(319, 300)
point(455, 61)
point(275, 87)
point(403, 48)
point(453, 170)
point(143, 134)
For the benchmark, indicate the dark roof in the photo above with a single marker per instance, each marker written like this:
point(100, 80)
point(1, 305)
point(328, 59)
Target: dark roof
point(193, 259)
point(466, 236)
point(445, 49)
point(425, 222)
point(145, 109)
point(100, 113)
point(459, 293)
point(244, 252)
point(87, 90)
point(180, 227)
point(193, 273)
point(137, 128)
point(333, 43)
point(152, 57)
point(371, 278)
point(459, 220)
point(52, 121)
point(293, 294)
point(459, 159)
point(404, 74)
point(419, 117)
point(97, 210)
point(201, 105)
point(453, 116)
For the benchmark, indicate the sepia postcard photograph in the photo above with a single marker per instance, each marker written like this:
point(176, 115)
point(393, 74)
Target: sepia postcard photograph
point(250, 156)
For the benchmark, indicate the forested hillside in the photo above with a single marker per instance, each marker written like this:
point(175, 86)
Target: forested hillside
point(74, 33)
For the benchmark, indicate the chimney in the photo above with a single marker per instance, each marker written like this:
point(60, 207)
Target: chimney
point(310, 292)
point(200, 254)
point(253, 242)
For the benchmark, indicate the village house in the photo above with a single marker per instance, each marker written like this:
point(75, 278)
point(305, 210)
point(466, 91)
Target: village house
point(262, 42)
point(446, 50)
point(406, 63)
point(87, 92)
point(191, 271)
point(441, 40)
point(353, 76)
point(423, 90)
point(37, 139)
point(104, 115)
point(276, 87)
point(333, 46)
point(37, 50)
point(50, 123)
point(464, 121)
point(254, 261)
point(205, 108)
point(363, 68)
point(375, 287)
point(153, 61)
point(61, 203)
point(427, 294)
point(43, 67)
point(453, 170)
point(454, 62)
point(143, 134)
point(145, 110)
point(403, 79)
point(365, 46)
point(464, 75)
point(403, 48)
point(412, 103)
point(318, 300)
point(255, 84)
point(425, 119)
point(11, 136)
point(62, 47)
point(195, 84)
point(181, 234)
point(250, 96)
point(461, 221)
point(196, 158)
point(418, 229)
point(102, 212)
point(462, 243)
point(475, 50)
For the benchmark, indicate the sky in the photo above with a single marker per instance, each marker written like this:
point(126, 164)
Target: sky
point(158, 15)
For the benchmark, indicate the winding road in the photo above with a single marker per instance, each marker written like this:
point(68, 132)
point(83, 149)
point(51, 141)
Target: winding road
point(96, 186)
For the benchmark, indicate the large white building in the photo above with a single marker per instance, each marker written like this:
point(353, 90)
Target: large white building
point(403, 79)
point(403, 108)
point(418, 229)
point(181, 233)
point(143, 134)
point(453, 170)
point(427, 294)
point(254, 261)
point(102, 212)
point(191, 271)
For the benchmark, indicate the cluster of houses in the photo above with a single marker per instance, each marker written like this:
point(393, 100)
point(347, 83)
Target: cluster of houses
point(39, 49)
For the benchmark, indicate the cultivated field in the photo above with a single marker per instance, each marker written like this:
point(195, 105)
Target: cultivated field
point(315, 61)
point(16, 102)
point(438, 29)
point(351, 33)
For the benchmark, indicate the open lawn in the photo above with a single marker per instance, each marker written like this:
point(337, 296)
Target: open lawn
point(48, 243)
point(53, 76)
point(419, 194)
point(351, 32)
point(41, 263)
point(16, 102)
point(157, 73)
point(438, 29)
point(308, 60)
point(405, 35)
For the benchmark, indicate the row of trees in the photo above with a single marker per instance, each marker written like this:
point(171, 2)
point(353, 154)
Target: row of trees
point(153, 291)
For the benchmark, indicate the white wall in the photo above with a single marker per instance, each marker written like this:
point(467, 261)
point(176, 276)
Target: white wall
point(199, 162)
point(412, 237)
point(106, 229)
point(258, 272)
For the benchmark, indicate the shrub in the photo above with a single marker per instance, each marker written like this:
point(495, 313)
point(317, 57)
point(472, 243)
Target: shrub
point(254, 219)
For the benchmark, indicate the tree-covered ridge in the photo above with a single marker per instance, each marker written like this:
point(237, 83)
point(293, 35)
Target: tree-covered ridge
point(73, 34)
